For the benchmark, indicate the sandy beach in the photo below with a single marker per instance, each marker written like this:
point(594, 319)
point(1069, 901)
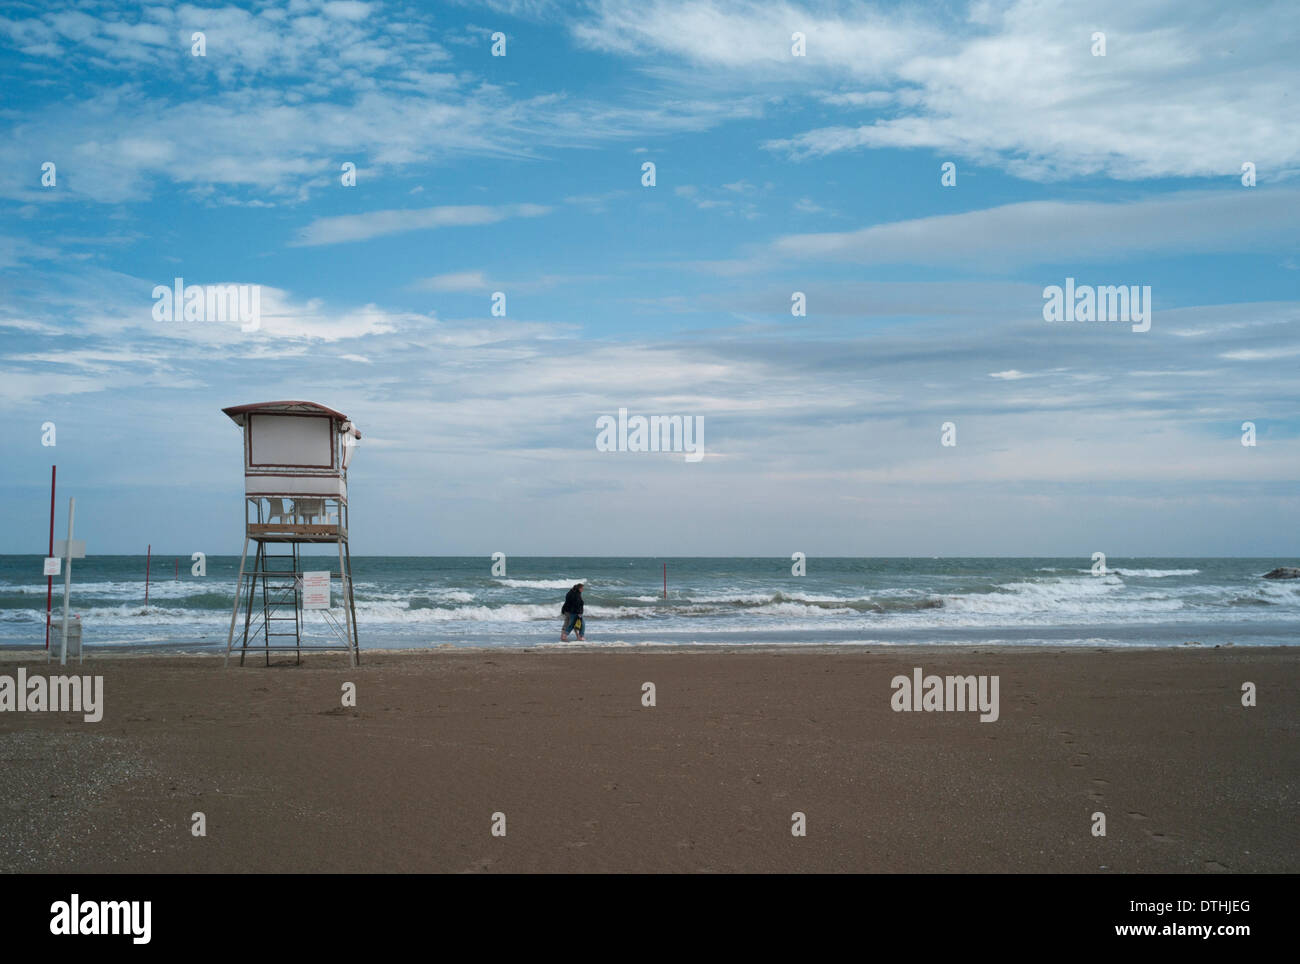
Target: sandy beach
point(589, 779)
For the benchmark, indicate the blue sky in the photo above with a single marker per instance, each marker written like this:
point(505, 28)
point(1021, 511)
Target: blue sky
point(774, 174)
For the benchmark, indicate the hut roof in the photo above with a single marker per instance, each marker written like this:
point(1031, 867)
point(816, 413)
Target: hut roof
point(238, 413)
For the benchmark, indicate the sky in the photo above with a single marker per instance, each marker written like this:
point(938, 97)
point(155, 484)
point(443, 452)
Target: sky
point(776, 170)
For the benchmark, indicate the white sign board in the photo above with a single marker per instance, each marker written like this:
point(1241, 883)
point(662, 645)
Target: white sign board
point(295, 440)
point(78, 549)
point(316, 590)
point(54, 566)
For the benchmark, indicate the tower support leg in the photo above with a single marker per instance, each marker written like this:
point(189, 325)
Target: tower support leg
point(352, 605)
point(234, 614)
point(252, 591)
point(344, 584)
point(297, 603)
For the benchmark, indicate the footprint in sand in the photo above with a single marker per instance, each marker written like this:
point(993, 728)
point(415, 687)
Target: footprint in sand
point(1155, 835)
point(1214, 867)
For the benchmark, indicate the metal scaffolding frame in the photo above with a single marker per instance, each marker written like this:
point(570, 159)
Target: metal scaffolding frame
point(281, 587)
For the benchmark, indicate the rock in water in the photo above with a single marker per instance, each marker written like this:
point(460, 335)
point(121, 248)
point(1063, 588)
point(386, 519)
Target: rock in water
point(1283, 572)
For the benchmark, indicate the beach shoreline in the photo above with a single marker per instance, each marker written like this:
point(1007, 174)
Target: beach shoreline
point(558, 740)
point(16, 654)
point(402, 603)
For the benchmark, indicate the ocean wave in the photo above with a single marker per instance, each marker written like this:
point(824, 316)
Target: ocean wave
point(1134, 573)
point(1250, 601)
point(1092, 596)
point(1155, 573)
point(508, 613)
point(904, 600)
point(419, 604)
point(1281, 593)
point(541, 583)
point(23, 615)
point(432, 600)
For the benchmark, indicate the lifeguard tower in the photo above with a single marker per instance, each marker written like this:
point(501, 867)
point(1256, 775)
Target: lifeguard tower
point(296, 457)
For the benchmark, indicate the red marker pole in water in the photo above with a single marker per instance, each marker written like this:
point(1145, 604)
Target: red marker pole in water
point(146, 575)
point(49, 580)
point(665, 580)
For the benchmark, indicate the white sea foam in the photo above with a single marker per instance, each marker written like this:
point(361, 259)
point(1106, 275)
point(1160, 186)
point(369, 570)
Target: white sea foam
point(1088, 597)
point(1281, 592)
point(1156, 573)
point(509, 613)
point(541, 583)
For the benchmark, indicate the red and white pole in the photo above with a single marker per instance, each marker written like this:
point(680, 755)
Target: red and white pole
point(49, 580)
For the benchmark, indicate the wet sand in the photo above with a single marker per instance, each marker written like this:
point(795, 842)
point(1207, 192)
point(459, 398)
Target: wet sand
point(590, 780)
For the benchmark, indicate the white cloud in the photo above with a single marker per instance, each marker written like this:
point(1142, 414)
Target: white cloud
point(1261, 354)
point(346, 9)
point(15, 251)
point(374, 224)
point(283, 317)
point(1187, 88)
point(283, 100)
point(1034, 232)
point(19, 386)
point(859, 98)
point(471, 404)
point(119, 309)
point(751, 33)
point(455, 281)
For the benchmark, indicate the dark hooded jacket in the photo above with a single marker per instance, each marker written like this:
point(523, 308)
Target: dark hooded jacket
point(572, 602)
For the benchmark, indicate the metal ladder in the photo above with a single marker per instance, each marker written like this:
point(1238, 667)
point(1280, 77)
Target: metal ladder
point(284, 593)
point(281, 590)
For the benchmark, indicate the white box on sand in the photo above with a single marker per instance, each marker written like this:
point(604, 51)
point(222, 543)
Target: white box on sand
point(74, 636)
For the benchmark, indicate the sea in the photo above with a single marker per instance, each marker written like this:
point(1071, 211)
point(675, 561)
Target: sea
point(424, 602)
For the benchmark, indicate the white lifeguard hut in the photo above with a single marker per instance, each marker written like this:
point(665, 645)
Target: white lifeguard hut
point(296, 457)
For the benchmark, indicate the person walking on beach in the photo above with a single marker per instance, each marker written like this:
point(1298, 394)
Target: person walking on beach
point(572, 613)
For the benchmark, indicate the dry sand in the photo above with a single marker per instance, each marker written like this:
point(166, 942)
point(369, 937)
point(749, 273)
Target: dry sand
point(588, 779)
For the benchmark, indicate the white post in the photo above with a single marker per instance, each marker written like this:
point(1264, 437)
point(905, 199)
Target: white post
point(67, 581)
point(239, 593)
point(347, 610)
